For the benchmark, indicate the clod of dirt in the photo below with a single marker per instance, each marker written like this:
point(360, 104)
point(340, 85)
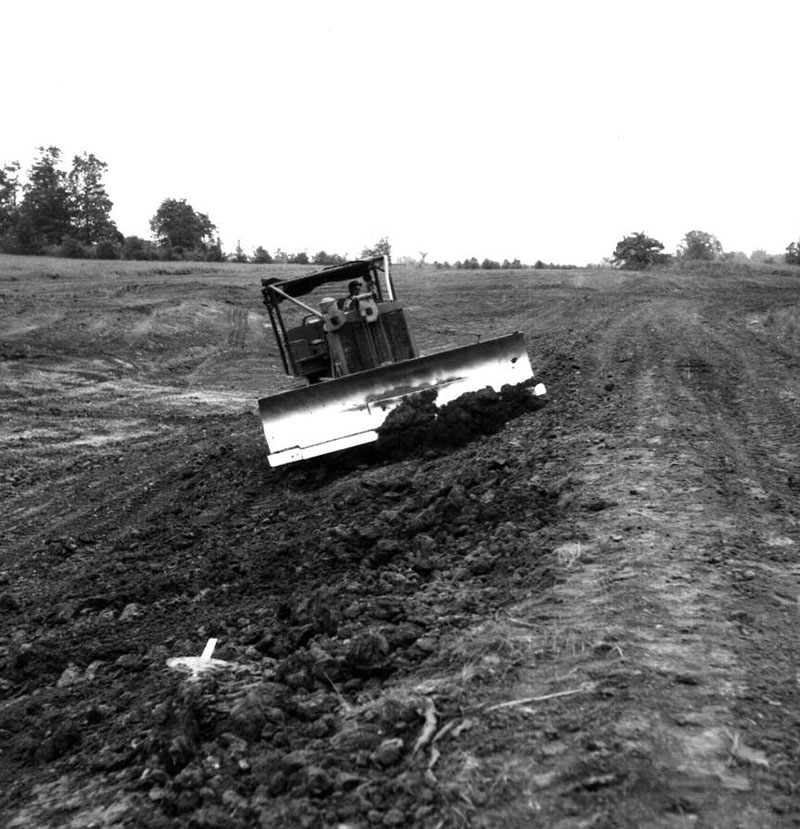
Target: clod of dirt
point(388, 752)
point(9, 602)
point(418, 424)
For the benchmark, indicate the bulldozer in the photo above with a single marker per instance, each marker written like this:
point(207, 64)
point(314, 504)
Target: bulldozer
point(357, 359)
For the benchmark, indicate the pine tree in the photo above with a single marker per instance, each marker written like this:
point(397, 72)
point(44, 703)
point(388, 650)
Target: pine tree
point(45, 215)
point(90, 204)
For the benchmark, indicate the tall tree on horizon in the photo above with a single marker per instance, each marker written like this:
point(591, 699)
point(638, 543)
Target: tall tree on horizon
point(90, 204)
point(697, 244)
point(45, 214)
point(381, 248)
point(638, 251)
point(179, 226)
point(9, 185)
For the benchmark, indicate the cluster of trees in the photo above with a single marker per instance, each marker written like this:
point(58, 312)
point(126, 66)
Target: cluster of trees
point(55, 208)
point(67, 212)
point(472, 264)
point(639, 251)
point(492, 265)
point(261, 256)
point(179, 232)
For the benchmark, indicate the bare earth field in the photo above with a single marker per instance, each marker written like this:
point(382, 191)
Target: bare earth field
point(588, 619)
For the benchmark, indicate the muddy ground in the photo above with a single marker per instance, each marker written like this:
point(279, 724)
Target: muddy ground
point(587, 619)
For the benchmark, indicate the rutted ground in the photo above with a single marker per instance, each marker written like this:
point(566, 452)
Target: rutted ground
point(587, 619)
point(677, 620)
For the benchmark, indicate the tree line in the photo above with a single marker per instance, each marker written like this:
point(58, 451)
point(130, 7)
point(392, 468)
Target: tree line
point(54, 205)
point(638, 251)
point(473, 264)
point(67, 212)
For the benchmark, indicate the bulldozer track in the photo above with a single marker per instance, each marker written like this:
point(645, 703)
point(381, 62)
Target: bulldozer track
point(237, 334)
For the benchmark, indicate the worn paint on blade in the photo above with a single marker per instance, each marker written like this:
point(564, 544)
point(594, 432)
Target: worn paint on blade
point(404, 391)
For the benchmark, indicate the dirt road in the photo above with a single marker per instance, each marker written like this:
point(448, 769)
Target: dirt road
point(589, 619)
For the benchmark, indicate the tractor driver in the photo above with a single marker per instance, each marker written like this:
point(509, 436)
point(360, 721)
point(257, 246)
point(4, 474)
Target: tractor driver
point(350, 302)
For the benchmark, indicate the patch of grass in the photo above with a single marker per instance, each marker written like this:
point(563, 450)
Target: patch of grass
point(489, 653)
point(568, 554)
point(569, 640)
point(784, 322)
point(43, 267)
point(730, 269)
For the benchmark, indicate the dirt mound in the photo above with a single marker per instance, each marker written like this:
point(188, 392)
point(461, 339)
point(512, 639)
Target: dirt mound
point(419, 425)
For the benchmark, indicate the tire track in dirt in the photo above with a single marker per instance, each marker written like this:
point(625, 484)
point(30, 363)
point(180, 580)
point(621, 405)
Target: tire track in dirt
point(237, 334)
point(234, 355)
point(649, 614)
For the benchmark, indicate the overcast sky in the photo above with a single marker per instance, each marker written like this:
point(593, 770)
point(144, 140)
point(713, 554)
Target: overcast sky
point(537, 130)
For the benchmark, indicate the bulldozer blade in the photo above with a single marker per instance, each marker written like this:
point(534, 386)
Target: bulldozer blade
point(347, 411)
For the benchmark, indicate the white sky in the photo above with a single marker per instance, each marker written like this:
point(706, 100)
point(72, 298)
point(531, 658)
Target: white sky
point(538, 130)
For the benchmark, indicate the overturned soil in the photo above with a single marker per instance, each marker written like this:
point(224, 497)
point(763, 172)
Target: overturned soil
point(587, 618)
